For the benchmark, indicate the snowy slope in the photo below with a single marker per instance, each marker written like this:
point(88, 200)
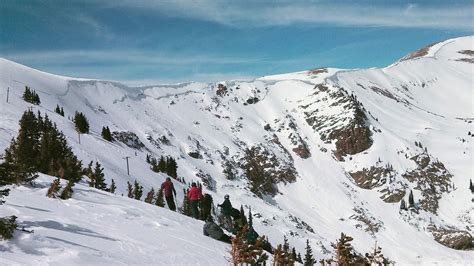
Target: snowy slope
point(301, 120)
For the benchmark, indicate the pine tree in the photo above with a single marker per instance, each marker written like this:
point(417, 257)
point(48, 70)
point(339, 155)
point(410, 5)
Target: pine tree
point(99, 179)
point(62, 112)
point(299, 259)
point(67, 191)
point(137, 191)
point(159, 198)
point(57, 109)
point(171, 167)
point(161, 165)
point(54, 188)
point(471, 187)
point(308, 256)
point(403, 205)
point(376, 257)
point(282, 255)
point(81, 123)
point(106, 134)
point(7, 227)
point(411, 201)
point(345, 254)
point(185, 208)
point(149, 196)
point(31, 96)
point(112, 187)
point(7, 224)
point(243, 252)
point(294, 256)
point(130, 190)
point(243, 218)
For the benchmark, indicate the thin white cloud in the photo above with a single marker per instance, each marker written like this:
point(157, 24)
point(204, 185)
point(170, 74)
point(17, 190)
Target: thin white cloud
point(135, 57)
point(260, 14)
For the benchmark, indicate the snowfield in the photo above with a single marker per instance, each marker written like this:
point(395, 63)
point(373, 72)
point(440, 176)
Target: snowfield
point(300, 120)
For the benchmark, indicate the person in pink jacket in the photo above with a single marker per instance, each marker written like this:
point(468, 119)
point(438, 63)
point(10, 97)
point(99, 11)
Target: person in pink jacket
point(194, 195)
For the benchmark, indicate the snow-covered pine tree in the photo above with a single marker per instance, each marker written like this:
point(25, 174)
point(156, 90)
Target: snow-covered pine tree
point(411, 201)
point(376, 257)
point(112, 187)
point(308, 256)
point(67, 191)
point(54, 188)
point(137, 191)
point(149, 196)
point(130, 190)
point(471, 187)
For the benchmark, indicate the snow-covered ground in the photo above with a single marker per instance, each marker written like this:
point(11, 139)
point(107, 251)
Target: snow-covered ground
point(428, 99)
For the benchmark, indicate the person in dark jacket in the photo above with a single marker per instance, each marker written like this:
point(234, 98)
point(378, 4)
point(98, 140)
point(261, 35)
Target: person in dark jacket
point(226, 212)
point(194, 195)
point(169, 190)
point(206, 206)
point(212, 230)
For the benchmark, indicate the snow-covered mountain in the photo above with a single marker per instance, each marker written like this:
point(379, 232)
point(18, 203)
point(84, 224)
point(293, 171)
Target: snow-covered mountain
point(313, 153)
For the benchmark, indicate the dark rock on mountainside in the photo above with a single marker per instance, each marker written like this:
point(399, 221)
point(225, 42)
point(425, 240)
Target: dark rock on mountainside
point(264, 170)
point(338, 117)
point(432, 178)
point(128, 138)
point(453, 238)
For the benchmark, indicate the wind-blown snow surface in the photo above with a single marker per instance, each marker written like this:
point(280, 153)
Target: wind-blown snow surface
point(428, 99)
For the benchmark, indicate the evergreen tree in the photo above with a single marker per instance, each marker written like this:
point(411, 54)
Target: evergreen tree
point(40, 147)
point(112, 187)
point(185, 208)
point(161, 167)
point(81, 123)
point(403, 205)
point(282, 255)
point(411, 201)
point(171, 167)
point(20, 157)
point(54, 188)
point(98, 177)
point(376, 257)
point(294, 256)
point(149, 196)
point(106, 134)
point(31, 96)
point(471, 187)
point(130, 190)
point(345, 253)
point(159, 198)
point(57, 109)
point(7, 224)
point(299, 259)
point(137, 191)
point(62, 112)
point(7, 227)
point(147, 158)
point(243, 218)
point(308, 256)
point(67, 191)
point(243, 252)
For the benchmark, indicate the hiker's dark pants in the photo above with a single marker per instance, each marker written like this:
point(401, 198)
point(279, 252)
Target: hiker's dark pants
point(170, 202)
point(194, 208)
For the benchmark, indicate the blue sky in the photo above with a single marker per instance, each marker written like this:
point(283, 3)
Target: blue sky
point(146, 42)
